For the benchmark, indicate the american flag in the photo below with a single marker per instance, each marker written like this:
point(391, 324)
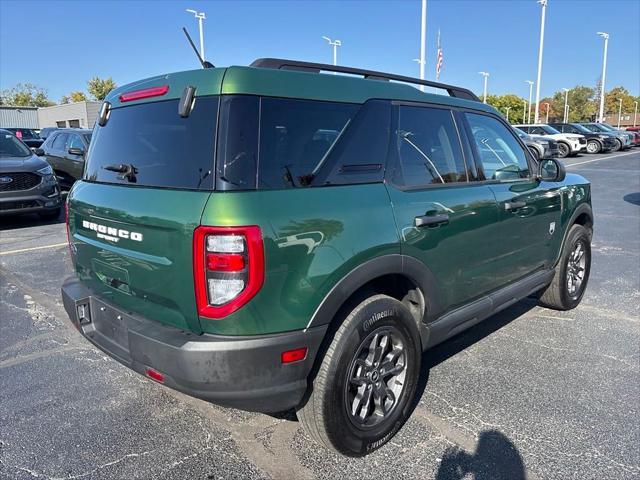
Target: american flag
point(439, 58)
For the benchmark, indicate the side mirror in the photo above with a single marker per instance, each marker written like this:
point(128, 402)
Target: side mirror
point(76, 151)
point(38, 151)
point(551, 170)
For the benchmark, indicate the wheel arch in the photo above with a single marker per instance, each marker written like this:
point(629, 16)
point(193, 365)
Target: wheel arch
point(399, 276)
point(582, 215)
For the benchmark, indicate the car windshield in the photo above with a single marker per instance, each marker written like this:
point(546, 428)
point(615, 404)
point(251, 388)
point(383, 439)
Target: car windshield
point(580, 128)
point(25, 133)
point(549, 130)
point(10, 146)
point(87, 137)
point(521, 133)
point(607, 127)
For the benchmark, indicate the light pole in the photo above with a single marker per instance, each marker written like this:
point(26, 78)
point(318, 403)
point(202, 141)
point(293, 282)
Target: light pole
point(507, 109)
point(485, 75)
point(200, 16)
point(544, 10)
point(335, 44)
point(547, 119)
point(619, 113)
point(635, 114)
point(423, 39)
point(565, 117)
point(524, 112)
point(530, 92)
point(604, 73)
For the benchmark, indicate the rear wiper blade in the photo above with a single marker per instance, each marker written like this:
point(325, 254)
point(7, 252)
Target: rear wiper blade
point(128, 171)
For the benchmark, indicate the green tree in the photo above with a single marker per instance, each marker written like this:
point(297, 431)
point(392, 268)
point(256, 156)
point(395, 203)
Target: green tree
point(510, 101)
point(76, 96)
point(612, 101)
point(25, 95)
point(581, 104)
point(99, 88)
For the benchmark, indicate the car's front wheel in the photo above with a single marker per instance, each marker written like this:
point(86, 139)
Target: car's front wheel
point(363, 390)
point(617, 146)
point(563, 150)
point(572, 271)
point(593, 146)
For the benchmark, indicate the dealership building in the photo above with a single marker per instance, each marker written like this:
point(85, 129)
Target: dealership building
point(69, 115)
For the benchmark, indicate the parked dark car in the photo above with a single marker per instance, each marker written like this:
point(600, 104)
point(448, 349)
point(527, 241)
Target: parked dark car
point(596, 141)
point(45, 132)
point(65, 150)
point(28, 136)
point(27, 182)
point(623, 139)
point(539, 146)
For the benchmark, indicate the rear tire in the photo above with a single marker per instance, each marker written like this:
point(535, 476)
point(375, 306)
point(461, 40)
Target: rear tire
point(563, 150)
point(363, 391)
point(571, 273)
point(593, 146)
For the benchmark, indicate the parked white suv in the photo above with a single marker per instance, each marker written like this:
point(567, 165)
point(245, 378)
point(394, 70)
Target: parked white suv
point(569, 144)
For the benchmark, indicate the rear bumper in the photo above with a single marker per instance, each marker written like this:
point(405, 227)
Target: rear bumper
point(240, 372)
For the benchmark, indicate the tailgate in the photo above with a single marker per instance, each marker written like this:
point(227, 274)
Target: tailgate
point(134, 248)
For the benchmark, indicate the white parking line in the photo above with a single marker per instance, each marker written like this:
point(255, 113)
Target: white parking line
point(22, 250)
point(601, 158)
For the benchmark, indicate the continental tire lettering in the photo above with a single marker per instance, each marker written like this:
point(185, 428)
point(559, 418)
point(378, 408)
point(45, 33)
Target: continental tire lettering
point(376, 317)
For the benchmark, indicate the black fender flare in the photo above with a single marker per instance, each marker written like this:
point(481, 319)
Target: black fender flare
point(405, 265)
point(580, 209)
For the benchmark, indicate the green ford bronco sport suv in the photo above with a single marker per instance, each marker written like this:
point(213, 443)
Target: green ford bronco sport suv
point(273, 237)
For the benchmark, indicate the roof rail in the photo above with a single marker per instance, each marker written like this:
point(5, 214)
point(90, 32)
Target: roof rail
point(282, 64)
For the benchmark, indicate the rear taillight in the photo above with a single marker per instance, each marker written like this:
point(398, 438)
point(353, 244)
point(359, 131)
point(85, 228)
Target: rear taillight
point(228, 266)
point(66, 221)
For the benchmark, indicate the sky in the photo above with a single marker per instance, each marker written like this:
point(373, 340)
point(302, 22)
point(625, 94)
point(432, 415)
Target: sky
point(59, 45)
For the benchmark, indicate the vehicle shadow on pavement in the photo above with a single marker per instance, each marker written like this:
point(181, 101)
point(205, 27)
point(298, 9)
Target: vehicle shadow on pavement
point(27, 221)
point(632, 198)
point(495, 457)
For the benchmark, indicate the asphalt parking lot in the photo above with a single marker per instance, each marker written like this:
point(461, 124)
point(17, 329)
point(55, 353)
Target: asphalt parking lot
point(530, 393)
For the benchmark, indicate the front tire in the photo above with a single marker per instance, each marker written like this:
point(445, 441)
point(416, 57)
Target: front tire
point(593, 146)
point(618, 145)
point(362, 393)
point(571, 273)
point(563, 150)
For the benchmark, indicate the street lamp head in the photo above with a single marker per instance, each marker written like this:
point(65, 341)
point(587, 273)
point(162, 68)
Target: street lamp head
point(565, 89)
point(529, 82)
point(484, 74)
point(543, 2)
point(327, 39)
point(196, 14)
point(604, 35)
point(338, 43)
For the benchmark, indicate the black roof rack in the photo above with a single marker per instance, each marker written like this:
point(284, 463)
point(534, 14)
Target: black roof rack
point(282, 64)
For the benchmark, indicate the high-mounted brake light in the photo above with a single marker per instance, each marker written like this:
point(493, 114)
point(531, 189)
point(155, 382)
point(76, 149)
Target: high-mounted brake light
point(144, 93)
point(228, 268)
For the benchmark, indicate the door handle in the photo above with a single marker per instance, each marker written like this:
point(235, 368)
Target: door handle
point(431, 220)
point(514, 205)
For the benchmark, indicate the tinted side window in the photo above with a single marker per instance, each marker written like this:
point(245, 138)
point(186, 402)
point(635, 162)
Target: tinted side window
point(75, 142)
point(296, 137)
point(501, 155)
point(59, 141)
point(428, 148)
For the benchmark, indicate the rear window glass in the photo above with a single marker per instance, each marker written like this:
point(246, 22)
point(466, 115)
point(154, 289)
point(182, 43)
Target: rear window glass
point(151, 145)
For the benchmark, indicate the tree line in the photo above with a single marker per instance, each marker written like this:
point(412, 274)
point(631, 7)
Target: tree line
point(584, 104)
point(30, 95)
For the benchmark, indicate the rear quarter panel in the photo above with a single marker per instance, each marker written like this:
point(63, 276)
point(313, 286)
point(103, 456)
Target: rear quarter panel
point(312, 238)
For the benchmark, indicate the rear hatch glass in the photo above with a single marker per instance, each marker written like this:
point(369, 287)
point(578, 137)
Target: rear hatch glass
point(159, 148)
point(132, 230)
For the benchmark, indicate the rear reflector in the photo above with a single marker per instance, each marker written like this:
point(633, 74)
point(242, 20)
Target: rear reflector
point(225, 262)
point(154, 375)
point(295, 355)
point(144, 93)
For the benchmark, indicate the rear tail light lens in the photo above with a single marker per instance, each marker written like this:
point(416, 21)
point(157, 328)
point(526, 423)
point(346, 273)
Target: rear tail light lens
point(228, 267)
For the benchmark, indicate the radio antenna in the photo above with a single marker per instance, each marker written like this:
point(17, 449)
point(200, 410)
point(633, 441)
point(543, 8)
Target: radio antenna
point(202, 61)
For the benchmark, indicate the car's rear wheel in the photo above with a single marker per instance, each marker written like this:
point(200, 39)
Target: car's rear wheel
point(563, 150)
point(363, 390)
point(593, 146)
point(572, 271)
